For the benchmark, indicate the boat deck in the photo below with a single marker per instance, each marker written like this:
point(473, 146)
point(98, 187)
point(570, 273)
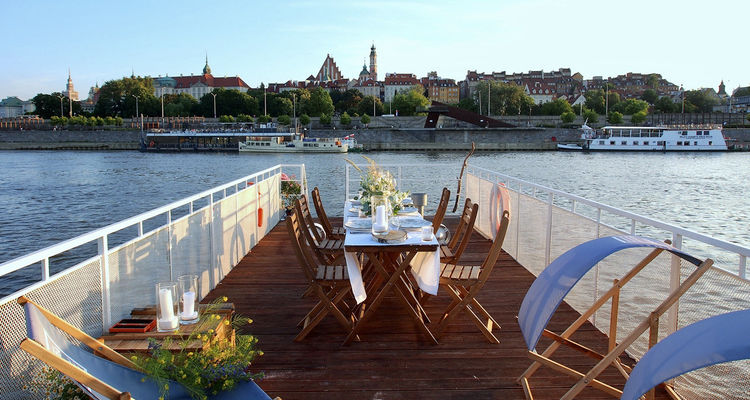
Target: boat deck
point(393, 360)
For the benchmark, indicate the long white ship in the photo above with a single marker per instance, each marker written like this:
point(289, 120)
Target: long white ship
point(637, 138)
point(292, 143)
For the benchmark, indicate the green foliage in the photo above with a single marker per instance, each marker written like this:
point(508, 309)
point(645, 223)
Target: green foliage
point(615, 117)
point(365, 106)
point(217, 368)
point(650, 96)
point(48, 105)
point(630, 106)
point(505, 98)
point(228, 102)
point(365, 119)
point(346, 119)
point(590, 115)
point(665, 105)
point(638, 118)
point(304, 119)
point(653, 82)
point(699, 101)
point(290, 191)
point(320, 103)
point(116, 98)
point(743, 91)
point(284, 119)
point(244, 118)
point(568, 117)
point(595, 100)
point(556, 107)
point(264, 119)
point(109, 121)
point(279, 106)
point(408, 103)
point(325, 119)
point(54, 385)
point(179, 105)
point(468, 103)
point(226, 118)
point(345, 101)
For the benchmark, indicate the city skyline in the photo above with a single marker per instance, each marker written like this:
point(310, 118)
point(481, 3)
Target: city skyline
point(687, 43)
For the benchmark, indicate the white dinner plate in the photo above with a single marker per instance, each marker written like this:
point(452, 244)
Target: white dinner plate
point(408, 210)
point(412, 222)
point(359, 223)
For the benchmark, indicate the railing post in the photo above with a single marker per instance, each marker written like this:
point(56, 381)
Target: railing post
point(45, 269)
point(169, 243)
point(518, 220)
point(103, 250)
point(140, 224)
point(674, 283)
point(548, 245)
point(632, 227)
point(212, 263)
point(303, 176)
point(743, 267)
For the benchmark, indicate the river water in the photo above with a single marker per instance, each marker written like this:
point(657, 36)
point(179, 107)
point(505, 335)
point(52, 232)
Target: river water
point(50, 196)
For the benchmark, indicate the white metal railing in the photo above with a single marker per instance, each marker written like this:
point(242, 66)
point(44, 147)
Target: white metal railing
point(546, 222)
point(219, 227)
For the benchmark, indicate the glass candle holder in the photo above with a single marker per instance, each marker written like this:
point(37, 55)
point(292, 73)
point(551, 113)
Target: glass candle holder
point(166, 313)
point(189, 298)
point(427, 233)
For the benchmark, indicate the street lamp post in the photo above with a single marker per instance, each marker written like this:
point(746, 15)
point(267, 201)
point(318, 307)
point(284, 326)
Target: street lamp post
point(61, 105)
point(606, 99)
point(489, 91)
point(294, 111)
point(214, 94)
point(136, 108)
point(161, 95)
point(682, 92)
point(265, 109)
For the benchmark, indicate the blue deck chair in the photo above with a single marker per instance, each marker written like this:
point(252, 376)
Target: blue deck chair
point(110, 376)
point(715, 340)
point(558, 279)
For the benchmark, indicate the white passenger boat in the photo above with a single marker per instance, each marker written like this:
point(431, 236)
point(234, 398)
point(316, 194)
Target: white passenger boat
point(638, 138)
point(292, 143)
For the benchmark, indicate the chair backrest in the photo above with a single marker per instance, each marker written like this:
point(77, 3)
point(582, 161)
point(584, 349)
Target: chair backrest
point(322, 216)
point(441, 210)
point(306, 217)
point(502, 207)
point(465, 229)
point(311, 237)
point(301, 245)
point(712, 341)
point(98, 377)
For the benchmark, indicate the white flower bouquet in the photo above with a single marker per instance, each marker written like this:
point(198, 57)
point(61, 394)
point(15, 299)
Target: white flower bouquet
point(377, 181)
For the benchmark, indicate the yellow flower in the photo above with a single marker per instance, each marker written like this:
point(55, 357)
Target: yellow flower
point(217, 317)
point(190, 354)
point(226, 322)
point(134, 358)
point(249, 321)
point(224, 299)
point(210, 331)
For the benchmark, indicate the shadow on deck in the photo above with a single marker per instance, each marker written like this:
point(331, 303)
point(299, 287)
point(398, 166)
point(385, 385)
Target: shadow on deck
point(393, 360)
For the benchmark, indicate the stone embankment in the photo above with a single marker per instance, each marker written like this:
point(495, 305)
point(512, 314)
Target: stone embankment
point(69, 140)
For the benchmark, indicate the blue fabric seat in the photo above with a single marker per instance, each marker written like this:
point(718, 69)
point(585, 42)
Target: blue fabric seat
point(715, 340)
point(123, 379)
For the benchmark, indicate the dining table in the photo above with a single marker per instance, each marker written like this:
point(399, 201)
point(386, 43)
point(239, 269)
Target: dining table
point(378, 267)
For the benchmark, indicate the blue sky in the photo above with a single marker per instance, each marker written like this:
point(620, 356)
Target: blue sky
point(689, 42)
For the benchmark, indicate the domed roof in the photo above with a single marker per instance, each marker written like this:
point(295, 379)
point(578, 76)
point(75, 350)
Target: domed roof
point(166, 82)
point(364, 70)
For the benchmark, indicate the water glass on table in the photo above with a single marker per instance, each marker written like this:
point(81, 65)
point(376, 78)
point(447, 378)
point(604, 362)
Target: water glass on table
point(427, 233)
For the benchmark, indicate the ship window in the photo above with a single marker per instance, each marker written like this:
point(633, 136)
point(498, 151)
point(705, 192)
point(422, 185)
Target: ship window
point(612, 142)
point(645, 142)
point(660, 143)
point(684, 132)
point(635, 142)
point(686, 143)
point(601, 142)
point(624, 142)
point(695, 143)
point(710, 143)
point(679, 143)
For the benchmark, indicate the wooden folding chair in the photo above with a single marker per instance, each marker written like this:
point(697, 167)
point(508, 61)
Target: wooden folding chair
point(332, 232)
point(441, 210)
point(463, 283)
point(556, 281)
point(328, 250)
point(330, 283)
point(451, 253)
point(101, 373)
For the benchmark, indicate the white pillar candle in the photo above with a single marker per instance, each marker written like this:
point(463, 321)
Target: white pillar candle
point(165, 302)
point(188, 304)
point(380, 216)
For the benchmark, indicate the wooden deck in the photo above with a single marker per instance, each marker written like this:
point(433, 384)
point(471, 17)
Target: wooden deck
point(393, 360)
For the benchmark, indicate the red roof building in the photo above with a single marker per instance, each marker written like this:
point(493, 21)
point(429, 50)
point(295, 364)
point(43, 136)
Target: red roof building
point(197, 85)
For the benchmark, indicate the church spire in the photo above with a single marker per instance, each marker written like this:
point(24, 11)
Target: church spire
point(206, 69)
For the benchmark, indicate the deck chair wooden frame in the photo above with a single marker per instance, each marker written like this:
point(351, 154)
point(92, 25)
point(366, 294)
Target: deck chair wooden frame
point(327, 250)
point(333, 232)
point(329, 283)
point(445, 198)
point(463, 282)
point(554, 283)
point(66, 367)
point(451, 253)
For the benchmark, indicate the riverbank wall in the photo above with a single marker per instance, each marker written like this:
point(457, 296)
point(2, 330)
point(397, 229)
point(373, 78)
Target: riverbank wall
point(373, 139)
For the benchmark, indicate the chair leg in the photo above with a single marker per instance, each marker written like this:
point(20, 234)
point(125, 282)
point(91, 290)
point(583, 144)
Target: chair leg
point(463, 300)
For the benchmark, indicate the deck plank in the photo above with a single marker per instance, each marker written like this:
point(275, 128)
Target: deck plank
point(393, 360)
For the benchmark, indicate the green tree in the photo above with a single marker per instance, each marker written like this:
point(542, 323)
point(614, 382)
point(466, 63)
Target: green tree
point(245, 118)
point(743, 91)
point(228, 102)
point(650, 96)
point(304, 119)
point(638, 118)
point(345, 101)
point(180, 105)
point(279, 105)
point(410, 102)
point(48, 105)
point(467, 103)
point(665, 105)
point(590, 115)
point(700, 100)
point(615, 117)
point(365, 106)
point(264, 119)
point(325, 119)
point(365, 119)
point(505, 98)
point(595, 100)
point(284, 119)
point(568, 117)
point(346, 119)
point(556, 107)
point(653, 82)
point(630, 106)
point(117, 98)
point(319, 103)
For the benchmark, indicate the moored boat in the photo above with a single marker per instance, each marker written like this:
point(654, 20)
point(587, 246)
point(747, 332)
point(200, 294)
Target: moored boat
point(291, 143)
point(641, 138)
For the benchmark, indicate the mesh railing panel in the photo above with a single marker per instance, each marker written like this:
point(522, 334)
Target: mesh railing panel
point(191, 249)
point(76, 297)
point(247, 219)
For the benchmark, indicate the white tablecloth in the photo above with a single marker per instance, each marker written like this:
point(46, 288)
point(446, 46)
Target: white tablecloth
point(425, 265)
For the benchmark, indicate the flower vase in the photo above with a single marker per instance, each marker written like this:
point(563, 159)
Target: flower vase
point(379, 200)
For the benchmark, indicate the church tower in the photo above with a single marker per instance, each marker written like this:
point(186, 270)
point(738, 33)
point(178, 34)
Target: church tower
point(206, 69)
point(373, 63)
point(722, 89)
point(69, 90)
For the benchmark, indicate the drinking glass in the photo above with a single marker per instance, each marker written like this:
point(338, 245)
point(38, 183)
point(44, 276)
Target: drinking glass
point(189, 298)
point(427, 233)
point(166, 314)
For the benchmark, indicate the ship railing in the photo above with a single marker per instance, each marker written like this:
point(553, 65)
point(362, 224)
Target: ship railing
point(546, 222)
point(205, 234)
